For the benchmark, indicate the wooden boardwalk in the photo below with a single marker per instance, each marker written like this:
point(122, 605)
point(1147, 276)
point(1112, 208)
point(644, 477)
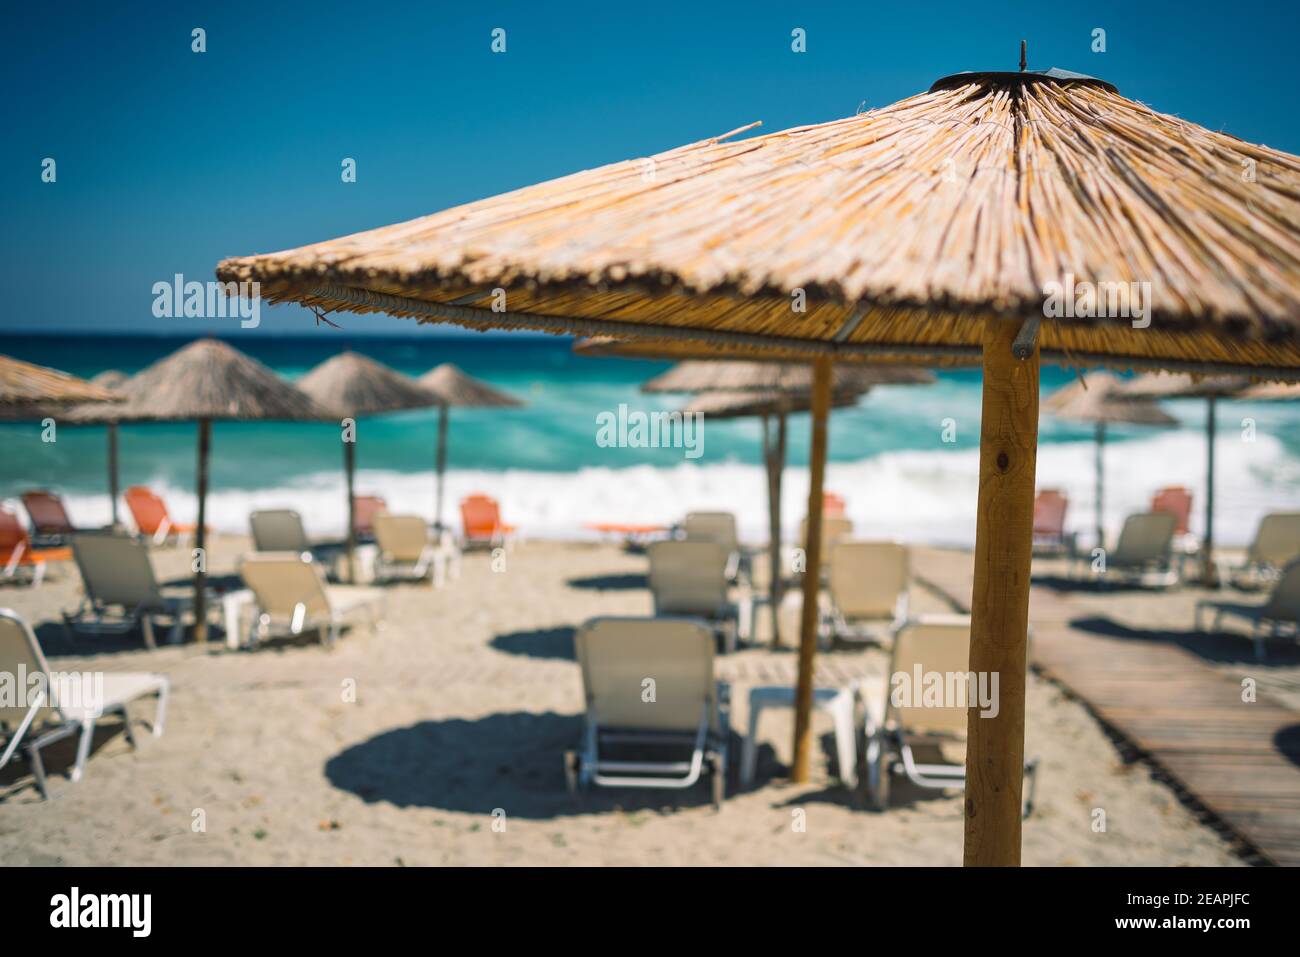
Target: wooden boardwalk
point(1240, 760)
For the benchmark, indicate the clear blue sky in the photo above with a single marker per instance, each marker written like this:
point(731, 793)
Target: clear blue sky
point(170, 160)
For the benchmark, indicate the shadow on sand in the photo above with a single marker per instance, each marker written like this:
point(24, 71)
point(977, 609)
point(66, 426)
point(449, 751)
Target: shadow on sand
point(17, 784)
point(512, 761)
point(1219, 647)
point(624, 582)
point(554, 644)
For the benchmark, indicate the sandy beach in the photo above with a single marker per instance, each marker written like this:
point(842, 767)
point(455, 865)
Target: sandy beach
point(465, 699)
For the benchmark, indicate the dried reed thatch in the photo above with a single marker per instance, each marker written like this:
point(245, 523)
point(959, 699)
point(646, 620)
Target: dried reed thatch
point(743, 376)
point(743, 405)
point(355, 385)
point(110, 379)
point(1180, 385)
point(206, 379)
point(30, 391)
point(681, 350)
point(960, 203)
point(1273, 392)
point(1100, 398)
point(456, 388)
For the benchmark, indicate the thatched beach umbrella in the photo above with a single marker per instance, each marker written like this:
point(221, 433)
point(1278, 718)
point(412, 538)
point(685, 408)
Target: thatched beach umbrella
point(973, 219)
point(455, 388)
point(29, 391)
point(1097, 399)
point(1211, 388)
point(352, 386)
point(783, 377)
point(772, 408)
point(206, 381)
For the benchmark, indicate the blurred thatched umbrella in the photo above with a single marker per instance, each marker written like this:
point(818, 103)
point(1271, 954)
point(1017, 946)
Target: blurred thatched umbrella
point(1211, 388)
point(455, 388)
point(772, 407)
point(740, 376)
point(1097, 399)
point(29, 391)
point(954, 222)
point(352, 385)
point(206, 381)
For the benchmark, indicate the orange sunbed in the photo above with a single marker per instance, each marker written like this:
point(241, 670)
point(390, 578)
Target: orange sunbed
point(481, 517)
point(1177, 501)
point(150, 515)
point(17, 553)
point(364, 510)
point(49, 517)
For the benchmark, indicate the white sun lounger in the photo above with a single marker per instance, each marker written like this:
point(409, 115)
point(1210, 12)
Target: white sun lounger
point(867, 591)
point(690, 579)
point(1144, 552)
point(904, 738)
point(1275, 618)
point(122, 591)
point(405, 550)
point(655, 715)
point(291, 597)
point(61, 705)
point(1276, 545)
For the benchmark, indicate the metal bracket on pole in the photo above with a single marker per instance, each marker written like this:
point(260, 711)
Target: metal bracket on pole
point(1023, 346)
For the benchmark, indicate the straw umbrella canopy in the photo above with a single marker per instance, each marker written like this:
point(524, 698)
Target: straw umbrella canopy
point(206, 381)
point(772, 408)
point(779, 377)
point(455, 388)
point(972, 219)
point(1098, 399)
point(352, 386)
point(29, 391)
point(1210, 388)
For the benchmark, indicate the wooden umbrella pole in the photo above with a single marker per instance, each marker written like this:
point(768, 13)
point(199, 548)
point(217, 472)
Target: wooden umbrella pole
point(1101, 482)
point(349, 468)
point(112, 471)
point(201, 537)
point(821, 403)
point(774, 504)
point(995, 747)
point(441, 464)
point(1209, 574)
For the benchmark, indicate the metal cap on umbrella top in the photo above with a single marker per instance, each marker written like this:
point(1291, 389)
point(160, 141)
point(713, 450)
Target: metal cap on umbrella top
point(456, 388)
point(855, 216)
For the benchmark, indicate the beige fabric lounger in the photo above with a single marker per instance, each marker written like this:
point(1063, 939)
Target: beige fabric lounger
point(690, 579)
point(405, 550)
point(1275, 618)
point(122, 591)
point(292, 597)
point(655, 715)
point(908, 734)
point(1144, 553)
point(62, 705)
point(1276, 545)
point(868, 591)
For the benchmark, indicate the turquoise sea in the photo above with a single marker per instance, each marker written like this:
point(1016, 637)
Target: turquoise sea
point(888, 455)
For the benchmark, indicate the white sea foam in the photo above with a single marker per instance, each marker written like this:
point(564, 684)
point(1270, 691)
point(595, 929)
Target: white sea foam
point(914, 496)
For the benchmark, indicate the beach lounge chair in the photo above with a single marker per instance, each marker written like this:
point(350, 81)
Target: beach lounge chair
point(833, 505)
point(291, 597)
point(405, 550)
point(122, 591)
point(20, 561)
point(480, 516)
point(61, 705)
point(867, 591)
point(364, 509)
point(281, 530)
point(834, 528)
point(643, 735)
point(1050, 537)
point(1144, 553)
point(1275, 618)
point(717, 527)
point(1177, 501)
point(51, 524)
point(908, 735)
point(1276, 545)
point(690, 579)
point(152, 520)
